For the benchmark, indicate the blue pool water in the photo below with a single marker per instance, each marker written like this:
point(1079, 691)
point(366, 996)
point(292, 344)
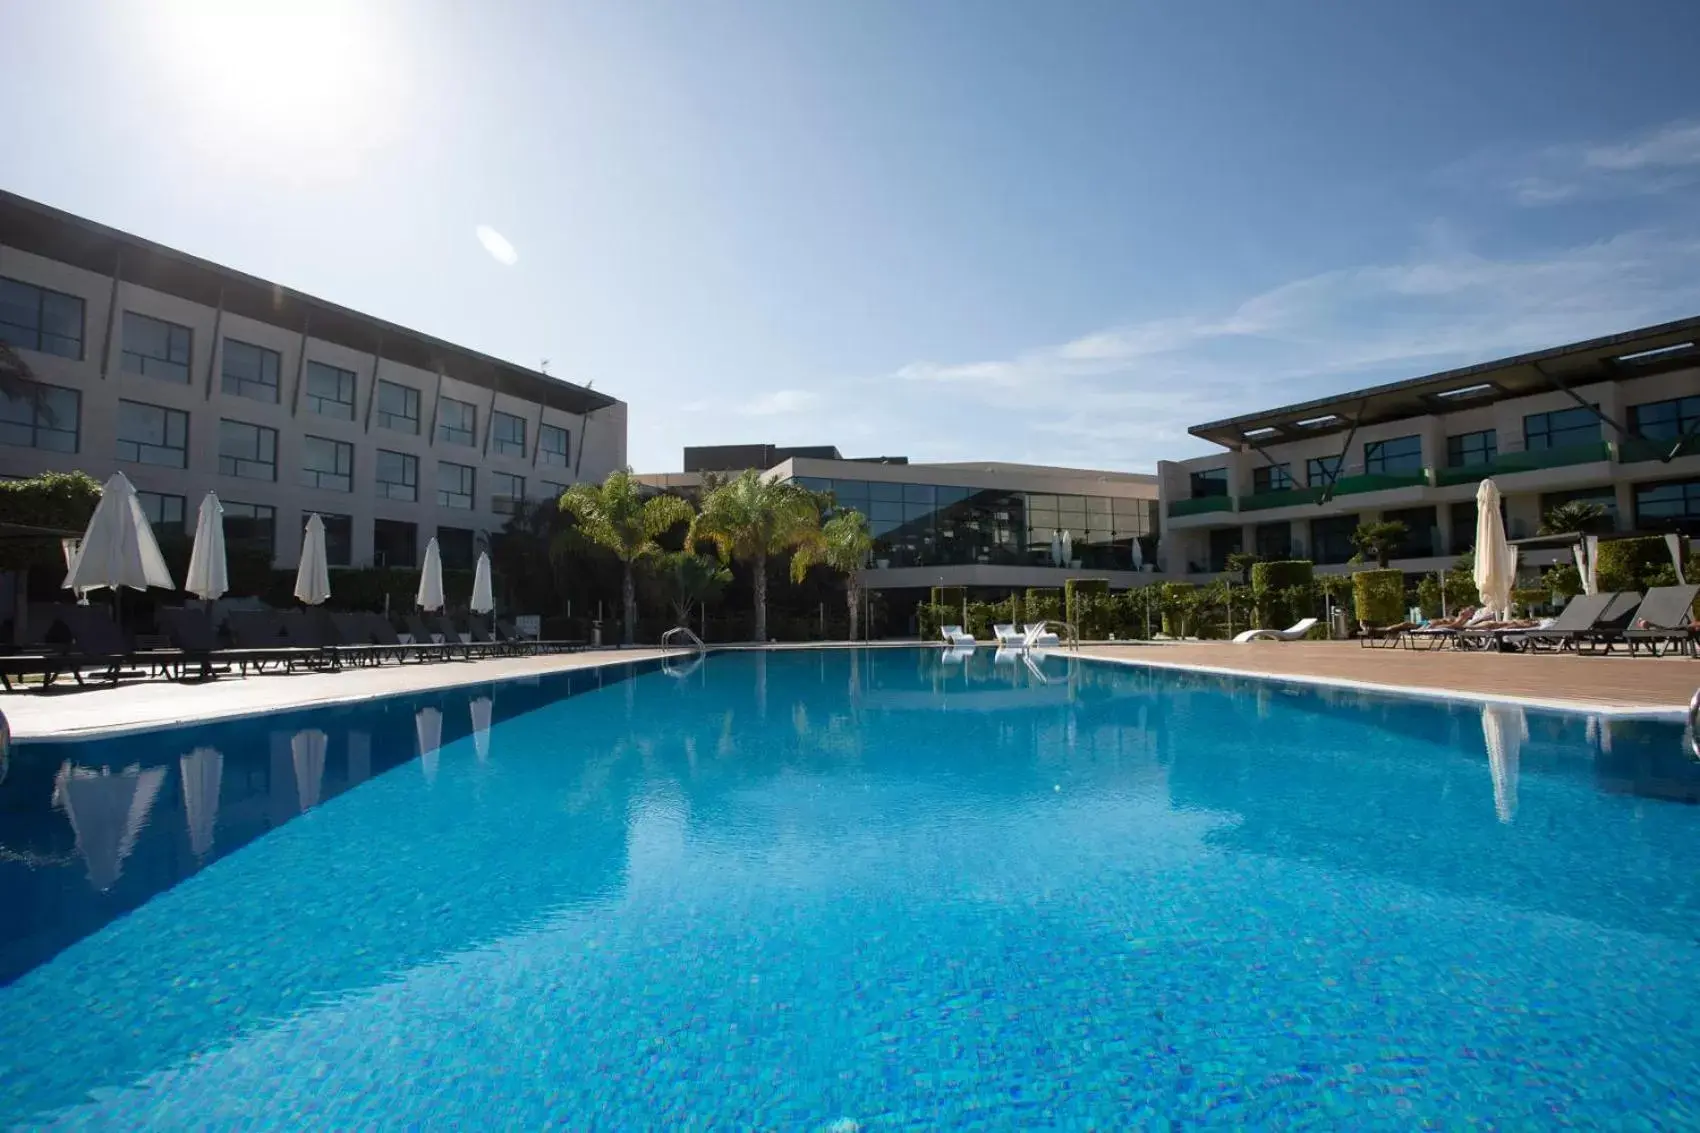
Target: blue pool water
point(844, 889)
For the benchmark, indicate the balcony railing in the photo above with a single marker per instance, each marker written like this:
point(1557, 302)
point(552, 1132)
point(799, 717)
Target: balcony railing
point(1640, 450)
point(1284, 497)
point(1508, 463)
point(1201, 505)
point(1380, 482)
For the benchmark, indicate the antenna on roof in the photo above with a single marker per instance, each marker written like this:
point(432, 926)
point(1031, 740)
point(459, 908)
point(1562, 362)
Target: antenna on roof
point(544, 365)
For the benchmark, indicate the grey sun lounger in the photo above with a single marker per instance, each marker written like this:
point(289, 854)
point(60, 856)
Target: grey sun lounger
point(1582, 615)
point(192, 632)
point(1664, 619)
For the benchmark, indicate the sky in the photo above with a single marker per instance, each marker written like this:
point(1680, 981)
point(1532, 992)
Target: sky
point(950, 230)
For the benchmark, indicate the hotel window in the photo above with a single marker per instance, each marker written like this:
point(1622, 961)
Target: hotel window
point(34, 318)
point(457, 422)
point(155, 348)
point(1331, 538)
point(339, 538)
point(1666, 420)
point(395, 543)
point(165, 513)
point(455, 485)
point(552, 445)
point(550, 491)
point(251, 526)
point(327, 464)
point(455, 545)
point(1321, 470)
point(398, 407)
point(1224, 541)
point(1561, 428)
point(1672, 506)
point(250, 371)
point(398, 476)
point(1272, 478)
point(507, 434)
point(1209, 482)
point(1394, 456)
point(1464, 450)
point(49, 420)
point(153, 434)
point(1274, 541)
point(330, 391)
point(506, 493)
point(247, 451)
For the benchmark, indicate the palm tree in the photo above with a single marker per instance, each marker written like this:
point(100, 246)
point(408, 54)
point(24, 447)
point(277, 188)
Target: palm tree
point(844, 544)
point(751, 519)
point(622, 516)
point(1380, 540)
point(1575, 517)
point(690, 579)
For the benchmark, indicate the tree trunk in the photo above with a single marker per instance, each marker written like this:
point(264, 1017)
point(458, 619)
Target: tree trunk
point(853, 595)
point(628, 596)
point(759, 582)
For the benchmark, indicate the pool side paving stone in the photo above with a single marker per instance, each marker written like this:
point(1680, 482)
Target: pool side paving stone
point(77, 712)
point(1614, 682)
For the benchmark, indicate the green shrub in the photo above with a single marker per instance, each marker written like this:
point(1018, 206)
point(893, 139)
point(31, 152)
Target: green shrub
point(1528, 598)
point(1043, 604)
point(1379, 596)
point(1073, 589)
point(950, 596)
point(1273, 588)
point(1633, 564)
point(61, 501)
point(1176, 602)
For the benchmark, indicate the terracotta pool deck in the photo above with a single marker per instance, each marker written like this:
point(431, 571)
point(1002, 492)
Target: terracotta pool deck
point(1615, 683)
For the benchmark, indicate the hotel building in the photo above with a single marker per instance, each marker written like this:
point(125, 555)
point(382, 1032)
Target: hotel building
point(188, 376)
point(1614, 421)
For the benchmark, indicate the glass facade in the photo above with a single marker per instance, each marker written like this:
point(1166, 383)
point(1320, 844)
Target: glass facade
point(398, 407)
point(552, 446)
point(457, 422)
point(507, 434)
point(1331, 539)
point(164, 512)
point(34, 318)
point(156, 348)
point(1321, 470)
point(1395, 456)
point(1671, 506)
point(1422, 532)
point(1274, 541)
point(1271, 478)
point(49, 421)
point(152, 434)
point(1209, 482)
point(1560, 428)
point(250, 371)
point(944, 525)
point(1466, 449)
point(330, 391)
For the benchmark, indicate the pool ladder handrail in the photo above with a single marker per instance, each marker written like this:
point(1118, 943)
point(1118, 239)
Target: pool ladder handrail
point(669, 666)
point(1071, 636)
point(1693, 735)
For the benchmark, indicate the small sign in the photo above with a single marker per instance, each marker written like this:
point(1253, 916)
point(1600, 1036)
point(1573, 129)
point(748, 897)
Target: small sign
point(529, 625)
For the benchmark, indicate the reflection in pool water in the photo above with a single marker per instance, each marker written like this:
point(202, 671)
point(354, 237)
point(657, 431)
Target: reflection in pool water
point(797, 888)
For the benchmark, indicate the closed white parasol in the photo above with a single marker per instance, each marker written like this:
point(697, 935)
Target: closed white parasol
point(430, 596)
point(313, 576)
point(118, 549)
point(209, 575)
point(483, 594)
point(1496, 566)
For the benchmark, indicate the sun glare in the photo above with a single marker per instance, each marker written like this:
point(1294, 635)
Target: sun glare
point(302, 74)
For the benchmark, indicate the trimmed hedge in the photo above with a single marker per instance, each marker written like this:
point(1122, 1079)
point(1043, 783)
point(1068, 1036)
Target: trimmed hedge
point(949, 596)
point(1073, 589)
point(1282, 575)
point(1379, 596)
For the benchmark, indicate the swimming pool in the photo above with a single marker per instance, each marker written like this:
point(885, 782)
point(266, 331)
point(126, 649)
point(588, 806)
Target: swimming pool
point(855, 888)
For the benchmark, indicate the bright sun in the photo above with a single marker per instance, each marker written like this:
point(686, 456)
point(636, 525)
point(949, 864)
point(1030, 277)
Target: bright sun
point(303, 75)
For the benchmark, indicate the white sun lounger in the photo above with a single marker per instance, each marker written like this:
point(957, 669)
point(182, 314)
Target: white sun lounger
point(1008, 635)
point(954, 636)
point(1036, 636)
point(1294, 633)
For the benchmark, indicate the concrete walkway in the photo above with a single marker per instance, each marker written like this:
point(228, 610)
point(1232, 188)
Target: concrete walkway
point(80, 712)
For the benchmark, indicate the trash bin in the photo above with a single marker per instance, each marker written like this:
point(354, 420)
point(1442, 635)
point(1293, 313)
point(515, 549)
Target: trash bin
point(596, 635)
point(1338, 629)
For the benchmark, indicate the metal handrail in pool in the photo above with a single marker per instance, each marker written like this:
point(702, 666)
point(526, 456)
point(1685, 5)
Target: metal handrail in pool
point(689, 667)
point(1072, 640)
point(687, 634)
point(1693, 736)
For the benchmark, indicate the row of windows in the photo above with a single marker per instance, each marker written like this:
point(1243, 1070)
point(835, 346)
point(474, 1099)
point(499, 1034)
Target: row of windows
point(158, 435)
point(254, 526)
point(1672, 505)
point(1578, 425)
point(35, 318)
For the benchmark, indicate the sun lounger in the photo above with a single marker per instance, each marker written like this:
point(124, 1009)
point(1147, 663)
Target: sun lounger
point(1663, 621)
point(1384, 637)
point(1007, 635)
point(193, 633)
point(507, 632)
point(384, 635)
point(955, 637)
point(1294, 632)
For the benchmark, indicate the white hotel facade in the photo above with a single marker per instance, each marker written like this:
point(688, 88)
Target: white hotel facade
point(1614, 420)
point(188, 376)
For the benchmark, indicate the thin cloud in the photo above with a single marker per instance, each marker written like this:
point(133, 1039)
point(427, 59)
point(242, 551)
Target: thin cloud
point(497, 245)
point(780, 403)
point(1661, 160)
